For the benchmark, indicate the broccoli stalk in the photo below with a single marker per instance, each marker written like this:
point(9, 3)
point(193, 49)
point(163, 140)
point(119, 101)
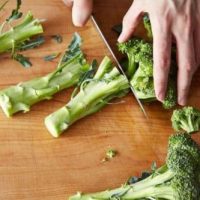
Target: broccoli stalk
point(17, 35)
point(178, 179)
point(186, 119)
point(22, 96)
point(147, 26)
point(94, 93)
point(140, 70)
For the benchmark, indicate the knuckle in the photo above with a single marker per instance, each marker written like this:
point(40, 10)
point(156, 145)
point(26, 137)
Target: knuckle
point(189, 68)
point(187, 24)
point(184, 87)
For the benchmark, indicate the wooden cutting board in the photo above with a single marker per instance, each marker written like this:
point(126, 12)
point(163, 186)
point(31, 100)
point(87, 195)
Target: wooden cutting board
point(35, 166)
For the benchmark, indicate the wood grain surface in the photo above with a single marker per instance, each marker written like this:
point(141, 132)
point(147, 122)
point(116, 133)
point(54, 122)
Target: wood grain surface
point(35, 166)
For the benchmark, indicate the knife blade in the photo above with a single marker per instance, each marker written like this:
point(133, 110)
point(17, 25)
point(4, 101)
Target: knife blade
point(118, 64)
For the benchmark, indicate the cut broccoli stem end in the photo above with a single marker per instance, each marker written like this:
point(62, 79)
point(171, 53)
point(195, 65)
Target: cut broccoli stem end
point(57, 122)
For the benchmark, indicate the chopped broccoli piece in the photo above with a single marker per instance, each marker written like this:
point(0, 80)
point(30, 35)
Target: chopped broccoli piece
point(22, 96)
point(111, 153)
point(186, 119)
point(94, 94)
point(15, 37)
point(178, 179)
point(140, 71)
point(18, 37)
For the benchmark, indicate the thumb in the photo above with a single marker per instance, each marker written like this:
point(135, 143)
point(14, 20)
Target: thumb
point(81, 11)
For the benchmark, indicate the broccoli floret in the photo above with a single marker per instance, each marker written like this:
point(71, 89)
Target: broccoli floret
point(131, 48)
point(178, 179)
point(171, 95)
point(140, 68)
point(140, 71)
point(186, 119)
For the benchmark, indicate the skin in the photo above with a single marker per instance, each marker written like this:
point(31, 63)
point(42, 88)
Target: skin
point(172, 19)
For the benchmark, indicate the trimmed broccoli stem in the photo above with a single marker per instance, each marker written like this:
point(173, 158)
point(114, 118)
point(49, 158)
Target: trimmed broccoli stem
point(148, 187)
point(20, 33)
point(132, 65)
point(164, 192)
point(105, 66)
point(187, 125)
point(130, 192)
point(22, 96)
point(86, 102)
point(93, 95)
point(190, 123)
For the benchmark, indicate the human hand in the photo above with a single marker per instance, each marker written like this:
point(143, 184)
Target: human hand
point(81, 10)
point(173, 18)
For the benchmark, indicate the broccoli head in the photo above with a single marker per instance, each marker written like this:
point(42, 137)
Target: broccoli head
point(186, 119)
point(140, 72)
point(178, 179)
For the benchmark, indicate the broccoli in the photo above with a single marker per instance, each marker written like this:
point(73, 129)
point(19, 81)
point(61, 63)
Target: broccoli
point(147, 26)
point(178, 179)
point(94, 93)
point(140, 72)
point(16, 36)
point(22, 96)
point(186, 119)
point(19, 37)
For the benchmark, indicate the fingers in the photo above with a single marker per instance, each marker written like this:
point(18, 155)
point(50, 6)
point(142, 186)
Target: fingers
point(187, 67)
point(130, 21)
point(197, 44)
point(161, 56)
point(81, 11)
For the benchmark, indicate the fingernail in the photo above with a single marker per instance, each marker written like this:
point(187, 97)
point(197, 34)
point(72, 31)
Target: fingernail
point(120, 39)
point(160, 96)
point(79, 19)
point(182, 101)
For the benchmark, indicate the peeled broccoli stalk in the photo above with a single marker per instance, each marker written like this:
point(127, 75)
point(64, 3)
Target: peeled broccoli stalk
point(140, 57)
point(22, 96)
point(147, 26)
point(94, 94)
point(14, 37)
point(186, 119)
point(178, 179)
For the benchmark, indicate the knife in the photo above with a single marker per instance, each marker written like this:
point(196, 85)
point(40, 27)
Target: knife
point(117, 62)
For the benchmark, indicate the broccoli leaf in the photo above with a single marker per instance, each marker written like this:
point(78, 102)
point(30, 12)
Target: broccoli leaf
point(30, 44)
point(51, 57)
point(15, 13)
point(57, 38)
point(73, 48)
point(24, 61)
